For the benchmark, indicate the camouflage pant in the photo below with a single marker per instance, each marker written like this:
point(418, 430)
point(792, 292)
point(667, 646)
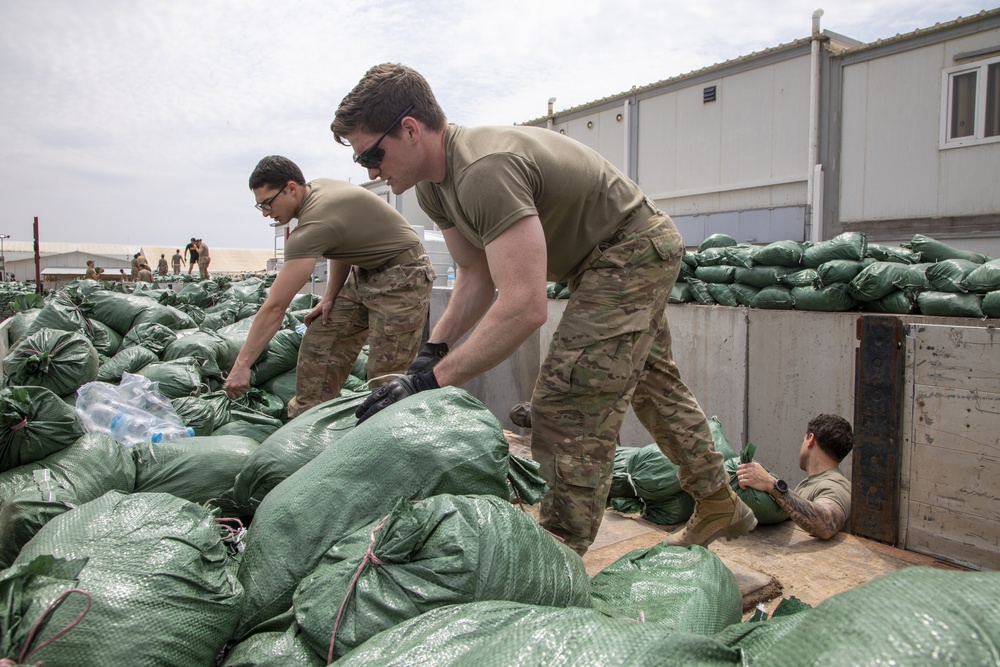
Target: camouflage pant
point(612, 347)
point(203, 267)
point(388, 309)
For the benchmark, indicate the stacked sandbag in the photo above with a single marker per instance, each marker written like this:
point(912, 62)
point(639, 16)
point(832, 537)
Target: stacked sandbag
point(764, 507)
point(842, 274)
point(153, 569)
point(428, 554)
point(33, 494)
point(435, 442)
point(34, 423)
point(60, 361)
point(275, 647)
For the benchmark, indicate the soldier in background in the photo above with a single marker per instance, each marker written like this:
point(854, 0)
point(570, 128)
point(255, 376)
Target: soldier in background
point(191, 250)
point(91, 273)
point(161, 265)
point(144, 275)
point(204, 259)
point(176, 260)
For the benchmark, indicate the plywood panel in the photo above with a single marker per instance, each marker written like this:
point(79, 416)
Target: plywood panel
point(957, 357)
point(958, 538)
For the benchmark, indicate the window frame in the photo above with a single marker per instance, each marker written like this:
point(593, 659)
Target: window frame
point(981, 67)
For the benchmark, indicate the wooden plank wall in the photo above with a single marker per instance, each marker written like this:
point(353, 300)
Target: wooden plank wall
point(951, 494)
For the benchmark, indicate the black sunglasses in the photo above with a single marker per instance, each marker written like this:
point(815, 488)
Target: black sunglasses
point(372, 156)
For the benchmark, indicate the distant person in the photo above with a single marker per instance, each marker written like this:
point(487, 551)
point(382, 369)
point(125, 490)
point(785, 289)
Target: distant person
point(135, 266)
point(144, 275)
point(176, 260)
point(91, 273)
point(379, 288)
point(161, 265)
point(191, 249)
point(821, 503)
point(124, 278)
point(100, 274)
point(204, 259)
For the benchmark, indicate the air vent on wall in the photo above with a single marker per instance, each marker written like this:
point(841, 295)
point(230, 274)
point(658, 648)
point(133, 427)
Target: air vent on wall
point(708, 95)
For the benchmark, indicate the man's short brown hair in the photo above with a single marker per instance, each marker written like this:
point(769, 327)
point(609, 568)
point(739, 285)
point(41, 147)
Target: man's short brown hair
point(383, 93)
point(833, 434)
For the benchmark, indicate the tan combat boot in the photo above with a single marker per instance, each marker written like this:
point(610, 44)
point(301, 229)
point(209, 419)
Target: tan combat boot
point(721, 514)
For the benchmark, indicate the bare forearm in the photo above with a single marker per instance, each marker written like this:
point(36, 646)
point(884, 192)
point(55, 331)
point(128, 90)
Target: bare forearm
point(468, 303)
point(265, 324)
point(822, 520)
point(337, 276)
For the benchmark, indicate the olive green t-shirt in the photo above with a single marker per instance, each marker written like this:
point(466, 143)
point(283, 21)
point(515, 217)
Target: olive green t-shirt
point(829, 484)
point(345, 222)
point(499, 175)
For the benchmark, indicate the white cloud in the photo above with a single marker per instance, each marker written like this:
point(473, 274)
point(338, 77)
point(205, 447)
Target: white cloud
point(143, 120)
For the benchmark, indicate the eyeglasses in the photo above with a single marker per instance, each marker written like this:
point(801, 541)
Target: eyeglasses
point(266, 204)
point(372, 156)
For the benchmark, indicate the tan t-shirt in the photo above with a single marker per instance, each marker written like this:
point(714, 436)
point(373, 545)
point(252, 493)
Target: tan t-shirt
point(203, 255)
point(829, 484)
point(345, 222)
point(498, 175)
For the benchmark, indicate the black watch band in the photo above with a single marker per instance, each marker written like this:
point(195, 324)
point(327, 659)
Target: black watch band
point(781, 486)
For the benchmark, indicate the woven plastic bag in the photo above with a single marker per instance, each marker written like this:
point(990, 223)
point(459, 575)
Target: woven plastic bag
point(434, 442)
point(153, 336)
point(87, 469)
point(983, 279)
point(950, 304)
point(34, 423)
point(127, 360)
point(849, 245)
point(502, 634)
point(779, 253)
point(273, 649)
point(950, 275)
point(680, 588)
point(57, 360)
point(936, 251)
point(763, 505)
point(832, 298)
point(429, 554)
point(175, 378)
point(915, 616)
point(195, 412)
point(157, 574)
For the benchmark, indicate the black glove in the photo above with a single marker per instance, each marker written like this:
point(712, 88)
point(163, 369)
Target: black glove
point(397, 390)
point(427, 358)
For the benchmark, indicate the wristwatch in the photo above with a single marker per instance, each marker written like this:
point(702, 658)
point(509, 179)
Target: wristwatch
point(781, 486)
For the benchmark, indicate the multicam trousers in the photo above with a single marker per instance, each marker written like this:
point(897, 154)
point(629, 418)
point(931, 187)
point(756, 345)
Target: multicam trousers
point(203, 263)
point(387, 308)
point(612, 347)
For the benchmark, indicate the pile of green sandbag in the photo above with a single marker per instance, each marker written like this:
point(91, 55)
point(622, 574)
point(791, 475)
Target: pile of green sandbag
point(844, 273)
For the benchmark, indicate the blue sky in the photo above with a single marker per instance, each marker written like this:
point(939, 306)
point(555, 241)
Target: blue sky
point(140, 122)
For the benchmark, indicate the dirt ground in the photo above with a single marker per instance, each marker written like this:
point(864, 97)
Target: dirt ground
point(770, 563)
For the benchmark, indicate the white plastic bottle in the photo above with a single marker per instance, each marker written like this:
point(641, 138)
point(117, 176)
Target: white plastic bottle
point(451, 276)
point(172, 433)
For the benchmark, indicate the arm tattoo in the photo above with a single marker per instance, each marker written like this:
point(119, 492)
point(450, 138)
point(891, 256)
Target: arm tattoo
point(822, 519)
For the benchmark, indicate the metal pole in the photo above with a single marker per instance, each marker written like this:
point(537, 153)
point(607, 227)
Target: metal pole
point(38, 263)
point(3, 257)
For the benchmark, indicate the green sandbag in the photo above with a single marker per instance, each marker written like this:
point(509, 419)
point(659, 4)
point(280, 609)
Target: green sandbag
point(883, 253)
point(719, 439)
point(991, 304)
point(949, 275)
point(116, 310)
point(626, 505)
point(879, 280)
point(260, 402)
point(104, 339)
point(915, 616)
point(803, 278)
point(774, 297)
point(60, 314)
point(60, 361)
point(740, 255)
point(223, 315)
point(428, 554)
point(832, 298)
point(291, 447)
point(168, 316)
point(686, 589)
point(716, 241)
point(281, 356)
point(273, 649)
point(779, 253)
point(34, 423)
point(303, 302)
point(915, 278)
point(197, 469)
point(744, 294)
point(937, 251)
point(360, 367)
point(212, 351)
point(839, 271)
point(645, 473)
point(20, 324)
point(621, 484)
point(849, 245)
point(754, 637)
point(761, 276)
point(763, 505)
point(898, 302)
point(161, 589)
point(84, 471)
point(670, 511)
point(195, 412)
point(196, 314)
point(950, 304)
point(195, 295)
point(176, 378)
point(722, 294)
point(153, 336)
point(690, 260)
point(527, 485)
point(127, 360)
point(282, 386)
point(251, 290)
point(453, 444)
point(715, 274)
point(501, 634)
point(256, 432)
point(685, 272)
point(680, 293)
point(711, 257)
point(984, 278)
point(221, 406)
point(699, 290)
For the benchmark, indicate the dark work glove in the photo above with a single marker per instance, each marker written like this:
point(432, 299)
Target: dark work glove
point(397, 390)
point(427, 358)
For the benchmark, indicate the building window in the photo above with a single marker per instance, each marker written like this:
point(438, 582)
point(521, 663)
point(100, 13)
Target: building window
point(971, 97)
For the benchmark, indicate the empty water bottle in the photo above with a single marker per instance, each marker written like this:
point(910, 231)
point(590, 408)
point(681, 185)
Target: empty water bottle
point(300, 328)
point(129, 429)
point(172, 433)
point(451, 275)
